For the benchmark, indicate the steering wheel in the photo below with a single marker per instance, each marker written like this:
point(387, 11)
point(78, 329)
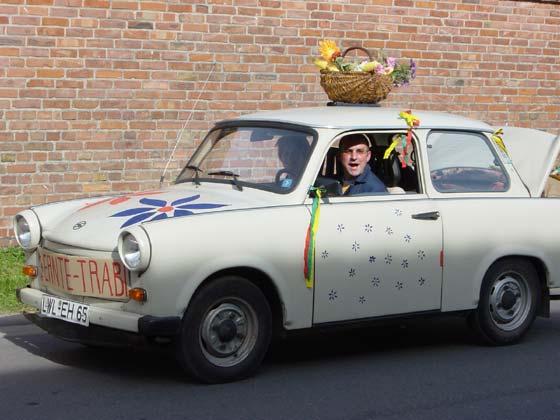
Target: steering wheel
point(468, 179)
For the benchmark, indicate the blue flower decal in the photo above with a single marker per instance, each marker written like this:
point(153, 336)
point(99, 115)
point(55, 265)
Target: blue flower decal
point(160, 209)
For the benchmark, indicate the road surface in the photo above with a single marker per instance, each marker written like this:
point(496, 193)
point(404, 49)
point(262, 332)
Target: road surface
point(430, 369)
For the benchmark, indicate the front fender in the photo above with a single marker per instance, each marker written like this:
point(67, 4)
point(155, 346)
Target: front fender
point(188, 250)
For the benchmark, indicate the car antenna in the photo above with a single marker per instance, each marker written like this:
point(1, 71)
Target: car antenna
point(180, 134)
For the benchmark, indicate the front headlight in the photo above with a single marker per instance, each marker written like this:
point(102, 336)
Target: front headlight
point(134, 249)
point(27, 229)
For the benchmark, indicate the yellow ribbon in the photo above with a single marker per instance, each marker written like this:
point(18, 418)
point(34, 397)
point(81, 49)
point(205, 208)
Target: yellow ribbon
point(390, 149)
point(497, 137)
point(411, 120)
point(309, 252)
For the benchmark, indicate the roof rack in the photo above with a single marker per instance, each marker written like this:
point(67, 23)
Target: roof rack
point(336, 103)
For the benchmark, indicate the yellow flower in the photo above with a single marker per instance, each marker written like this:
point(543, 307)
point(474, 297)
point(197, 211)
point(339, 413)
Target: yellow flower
point(329, 50)
point(322, 64)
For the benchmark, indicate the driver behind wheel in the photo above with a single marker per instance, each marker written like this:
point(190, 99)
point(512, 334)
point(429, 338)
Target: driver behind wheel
point(293, 151)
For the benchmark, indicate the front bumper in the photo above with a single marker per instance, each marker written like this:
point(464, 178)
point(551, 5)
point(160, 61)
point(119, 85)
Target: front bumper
point(107, 326)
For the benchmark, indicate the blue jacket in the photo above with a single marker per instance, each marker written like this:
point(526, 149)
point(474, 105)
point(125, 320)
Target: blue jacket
point(366, 183)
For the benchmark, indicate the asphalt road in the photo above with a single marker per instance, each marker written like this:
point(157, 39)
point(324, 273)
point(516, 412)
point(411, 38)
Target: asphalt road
point(431, 369)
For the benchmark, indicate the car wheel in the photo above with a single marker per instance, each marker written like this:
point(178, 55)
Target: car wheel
point(226, 331)
point(509, 298)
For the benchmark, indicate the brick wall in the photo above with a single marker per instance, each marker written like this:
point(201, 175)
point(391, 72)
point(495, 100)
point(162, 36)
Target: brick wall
point(93, 93)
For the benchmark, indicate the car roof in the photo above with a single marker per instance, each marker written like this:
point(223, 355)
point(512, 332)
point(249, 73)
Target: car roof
point(363, 117)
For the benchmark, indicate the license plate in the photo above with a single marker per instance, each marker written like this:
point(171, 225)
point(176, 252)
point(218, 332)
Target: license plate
point(66, 310)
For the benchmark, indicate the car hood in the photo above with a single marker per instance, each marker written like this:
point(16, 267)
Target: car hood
point(98, 222)
point(533, 154)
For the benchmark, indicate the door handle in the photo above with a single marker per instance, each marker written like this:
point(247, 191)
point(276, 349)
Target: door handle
point(432, 215)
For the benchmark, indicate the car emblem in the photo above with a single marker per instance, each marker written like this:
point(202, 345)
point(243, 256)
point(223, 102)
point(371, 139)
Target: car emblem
point(79, 225)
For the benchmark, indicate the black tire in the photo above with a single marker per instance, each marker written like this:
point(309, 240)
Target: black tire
point(225, 332)
point(509, 298)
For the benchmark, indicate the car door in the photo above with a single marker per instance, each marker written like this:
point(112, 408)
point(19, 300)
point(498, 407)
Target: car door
point(377, 256)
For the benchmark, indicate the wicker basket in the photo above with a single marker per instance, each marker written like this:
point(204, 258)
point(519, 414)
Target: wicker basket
point(356, 86)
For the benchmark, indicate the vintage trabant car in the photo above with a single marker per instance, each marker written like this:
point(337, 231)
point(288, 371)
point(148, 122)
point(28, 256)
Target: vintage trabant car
point(254, 238)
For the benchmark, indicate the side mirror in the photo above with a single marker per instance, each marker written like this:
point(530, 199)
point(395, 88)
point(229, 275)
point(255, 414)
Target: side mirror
point(330, 187)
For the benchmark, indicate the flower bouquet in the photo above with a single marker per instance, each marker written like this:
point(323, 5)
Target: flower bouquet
point(368, 80)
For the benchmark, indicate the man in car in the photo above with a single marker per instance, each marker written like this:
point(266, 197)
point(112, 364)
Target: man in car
point(357, 178)
point(293, 152)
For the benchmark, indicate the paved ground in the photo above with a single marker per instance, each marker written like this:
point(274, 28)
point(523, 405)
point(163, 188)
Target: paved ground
point(417, 370)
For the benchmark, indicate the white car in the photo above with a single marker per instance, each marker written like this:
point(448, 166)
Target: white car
point(253, 238)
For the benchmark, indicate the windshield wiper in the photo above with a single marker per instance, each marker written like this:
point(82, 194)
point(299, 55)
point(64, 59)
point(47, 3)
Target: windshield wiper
point(196, 170)
point(229, 173)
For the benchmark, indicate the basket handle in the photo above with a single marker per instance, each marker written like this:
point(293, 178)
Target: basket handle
point(347, 50)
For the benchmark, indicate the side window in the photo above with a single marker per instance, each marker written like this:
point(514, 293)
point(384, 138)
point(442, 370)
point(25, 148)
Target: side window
point(392, 161)
point(464, 162)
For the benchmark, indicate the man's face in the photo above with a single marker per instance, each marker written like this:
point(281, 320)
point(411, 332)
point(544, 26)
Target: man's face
point(354, 156)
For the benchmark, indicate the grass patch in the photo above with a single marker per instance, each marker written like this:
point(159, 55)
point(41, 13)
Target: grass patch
point(11, 261)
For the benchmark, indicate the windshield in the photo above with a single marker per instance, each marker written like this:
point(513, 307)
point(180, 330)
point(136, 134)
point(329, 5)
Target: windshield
point(268, 158)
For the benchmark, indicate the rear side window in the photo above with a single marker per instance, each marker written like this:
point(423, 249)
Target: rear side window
point(464, 162)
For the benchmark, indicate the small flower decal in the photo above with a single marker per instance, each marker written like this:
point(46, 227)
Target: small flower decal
point(352, 272)
point(340, 227)
point(398, 212)
point(362, 299)
point(399, 285)
point(324, 254)
point(407, 238)
point(404, 263)
point(388, 259)
point(355, 246)
point(421, 281)
point(368, 228)
point(159, 209)
point(333, 294)
point(389, 230)
point(421, 255)
point(375, 281)
point(372, 259)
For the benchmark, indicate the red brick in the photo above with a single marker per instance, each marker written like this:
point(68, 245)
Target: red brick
point(136, 75)
point(85, 104)
point(108, 74)
point(50, 31)
point(97, 3)
point(9, 51)
point(180, 8)
point(21, 168)
point(39, 62)
point(113, 125)
point(47, 21)
point(128, 5)
point(147, 5)
point(74, 84)
point(8, 93)
point(27, 103)
point(48, 103)
point(26, 20)
point(50, 73)
point(82, 73)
